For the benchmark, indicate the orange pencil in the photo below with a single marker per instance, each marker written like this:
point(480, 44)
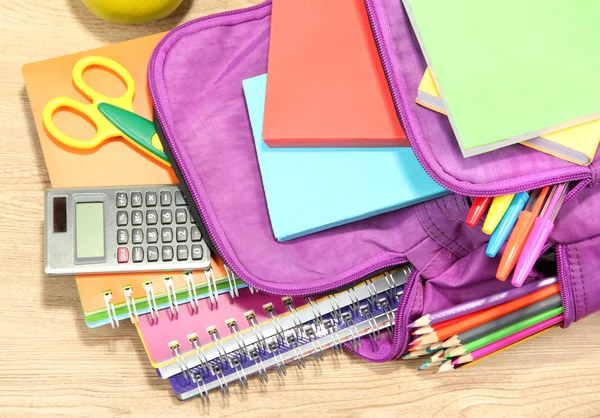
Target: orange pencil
point(489, 314)
point(519, 235)
point(433, 327)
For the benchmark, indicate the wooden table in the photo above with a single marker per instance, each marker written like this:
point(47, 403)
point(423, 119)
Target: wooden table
point(51, 363)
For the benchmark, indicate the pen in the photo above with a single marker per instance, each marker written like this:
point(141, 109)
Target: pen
point(539, 234)
point(519, 235)
point(478, 208)
point(506, 224)
point(496, 212)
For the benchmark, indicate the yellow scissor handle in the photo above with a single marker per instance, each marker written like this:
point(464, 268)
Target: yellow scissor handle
point(124, 102)
point(104, 129)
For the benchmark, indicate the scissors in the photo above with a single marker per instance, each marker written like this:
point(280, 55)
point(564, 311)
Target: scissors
point(112, 116)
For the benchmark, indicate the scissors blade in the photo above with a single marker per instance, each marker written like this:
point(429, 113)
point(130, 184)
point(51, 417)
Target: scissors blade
point(136, 128)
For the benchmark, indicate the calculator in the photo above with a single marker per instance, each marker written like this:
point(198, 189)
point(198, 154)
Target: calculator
point(121, 230)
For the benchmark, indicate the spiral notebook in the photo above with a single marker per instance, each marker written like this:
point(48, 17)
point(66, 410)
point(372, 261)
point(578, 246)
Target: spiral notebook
point(323, 325)
point(193, 337)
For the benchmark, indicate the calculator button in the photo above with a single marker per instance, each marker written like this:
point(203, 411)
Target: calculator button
point(152, 253)
point(121, 218)
point(137, 236)
point(151, 198)
point(136, 199)
point(197, 252)
point(122, 236)
point(122, 254)
point(196, 235)
point(179, 199)
point(138, 254)
point(121, 200)
point(152, 235)
point(151, 217)
point(166, 235)
point(182, 252)
point(165, 198)
point(166, 216)
point(136, 217)
point(182, 234)
point(181, 216)
point(167, 253)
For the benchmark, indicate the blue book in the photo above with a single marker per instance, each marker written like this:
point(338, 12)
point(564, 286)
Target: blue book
point(313, 189)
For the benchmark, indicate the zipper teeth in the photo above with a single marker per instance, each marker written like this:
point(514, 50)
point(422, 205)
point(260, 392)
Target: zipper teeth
point(199, 204)
point(565, 286)
point(396, 94)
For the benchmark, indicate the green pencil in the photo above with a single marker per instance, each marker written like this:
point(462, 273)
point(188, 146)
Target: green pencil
point(504, 332)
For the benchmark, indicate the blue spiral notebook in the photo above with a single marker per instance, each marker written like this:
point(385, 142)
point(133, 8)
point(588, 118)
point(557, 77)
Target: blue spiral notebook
point(313, 189)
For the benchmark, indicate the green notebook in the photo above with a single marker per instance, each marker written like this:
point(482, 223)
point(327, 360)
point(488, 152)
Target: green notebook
point(511, 70)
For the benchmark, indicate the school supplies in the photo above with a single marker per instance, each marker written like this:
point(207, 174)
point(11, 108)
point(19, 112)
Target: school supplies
point(282, 338)
point(113, 117)
point(520, 232)
point(476, 62)
point(478, 208)
point(542, 227)
point(477, 332)
point(506, 224)
point(478, 304)
point(326, 85)
point(310, 190)
point(498, 208)
point(510, 341)
point(489, 315)
point(175, 343)
point(121, 230)
point(577, 144)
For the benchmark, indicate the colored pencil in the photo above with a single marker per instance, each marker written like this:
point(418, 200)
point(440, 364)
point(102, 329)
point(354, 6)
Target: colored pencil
point(431, 328)
point(482, 303)
point(490, 314)
point(415, 354)
point(487, 328)
point(447, 366)
point(510, 341)
point(421, 347)
point(503, 333)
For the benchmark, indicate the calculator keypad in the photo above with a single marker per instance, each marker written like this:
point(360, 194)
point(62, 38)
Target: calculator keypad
point(159, 227)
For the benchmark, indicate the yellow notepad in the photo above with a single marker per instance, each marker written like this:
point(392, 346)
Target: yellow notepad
point(577, 144)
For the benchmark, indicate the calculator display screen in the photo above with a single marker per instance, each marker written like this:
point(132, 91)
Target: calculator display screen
point(89, 229)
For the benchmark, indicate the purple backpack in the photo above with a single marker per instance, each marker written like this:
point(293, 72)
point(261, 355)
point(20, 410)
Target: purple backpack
point(195, 77)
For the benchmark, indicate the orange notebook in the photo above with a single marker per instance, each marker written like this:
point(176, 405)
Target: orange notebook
point(325, 82)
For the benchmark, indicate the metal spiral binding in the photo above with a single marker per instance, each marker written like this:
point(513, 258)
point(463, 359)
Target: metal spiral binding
point(172, 295)
point(270, 310)
point(191, 287)
point(223, 386)
point(110, 309)
point(176, 350)
point(231, 280)
point(213, 293)
point(299, 360)
point(241, 374)
point(216, 338)
point(260, 338)
point(366, 312)
point(312, 336)
point(336, 312)
point(337, 345)
point(195, 341)
point(262, 371)
point(318, 318)
point(280, 366)
point(392, 292)
point(372, 293)
point(384, 305)
point(354, 305)
point(130, 301)
point(355, 341)
point(289, 303)
point(237, 335)
point(197, 378)
point(151, 299)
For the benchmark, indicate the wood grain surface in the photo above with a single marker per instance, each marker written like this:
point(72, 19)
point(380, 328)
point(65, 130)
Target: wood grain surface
point(52, 364)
